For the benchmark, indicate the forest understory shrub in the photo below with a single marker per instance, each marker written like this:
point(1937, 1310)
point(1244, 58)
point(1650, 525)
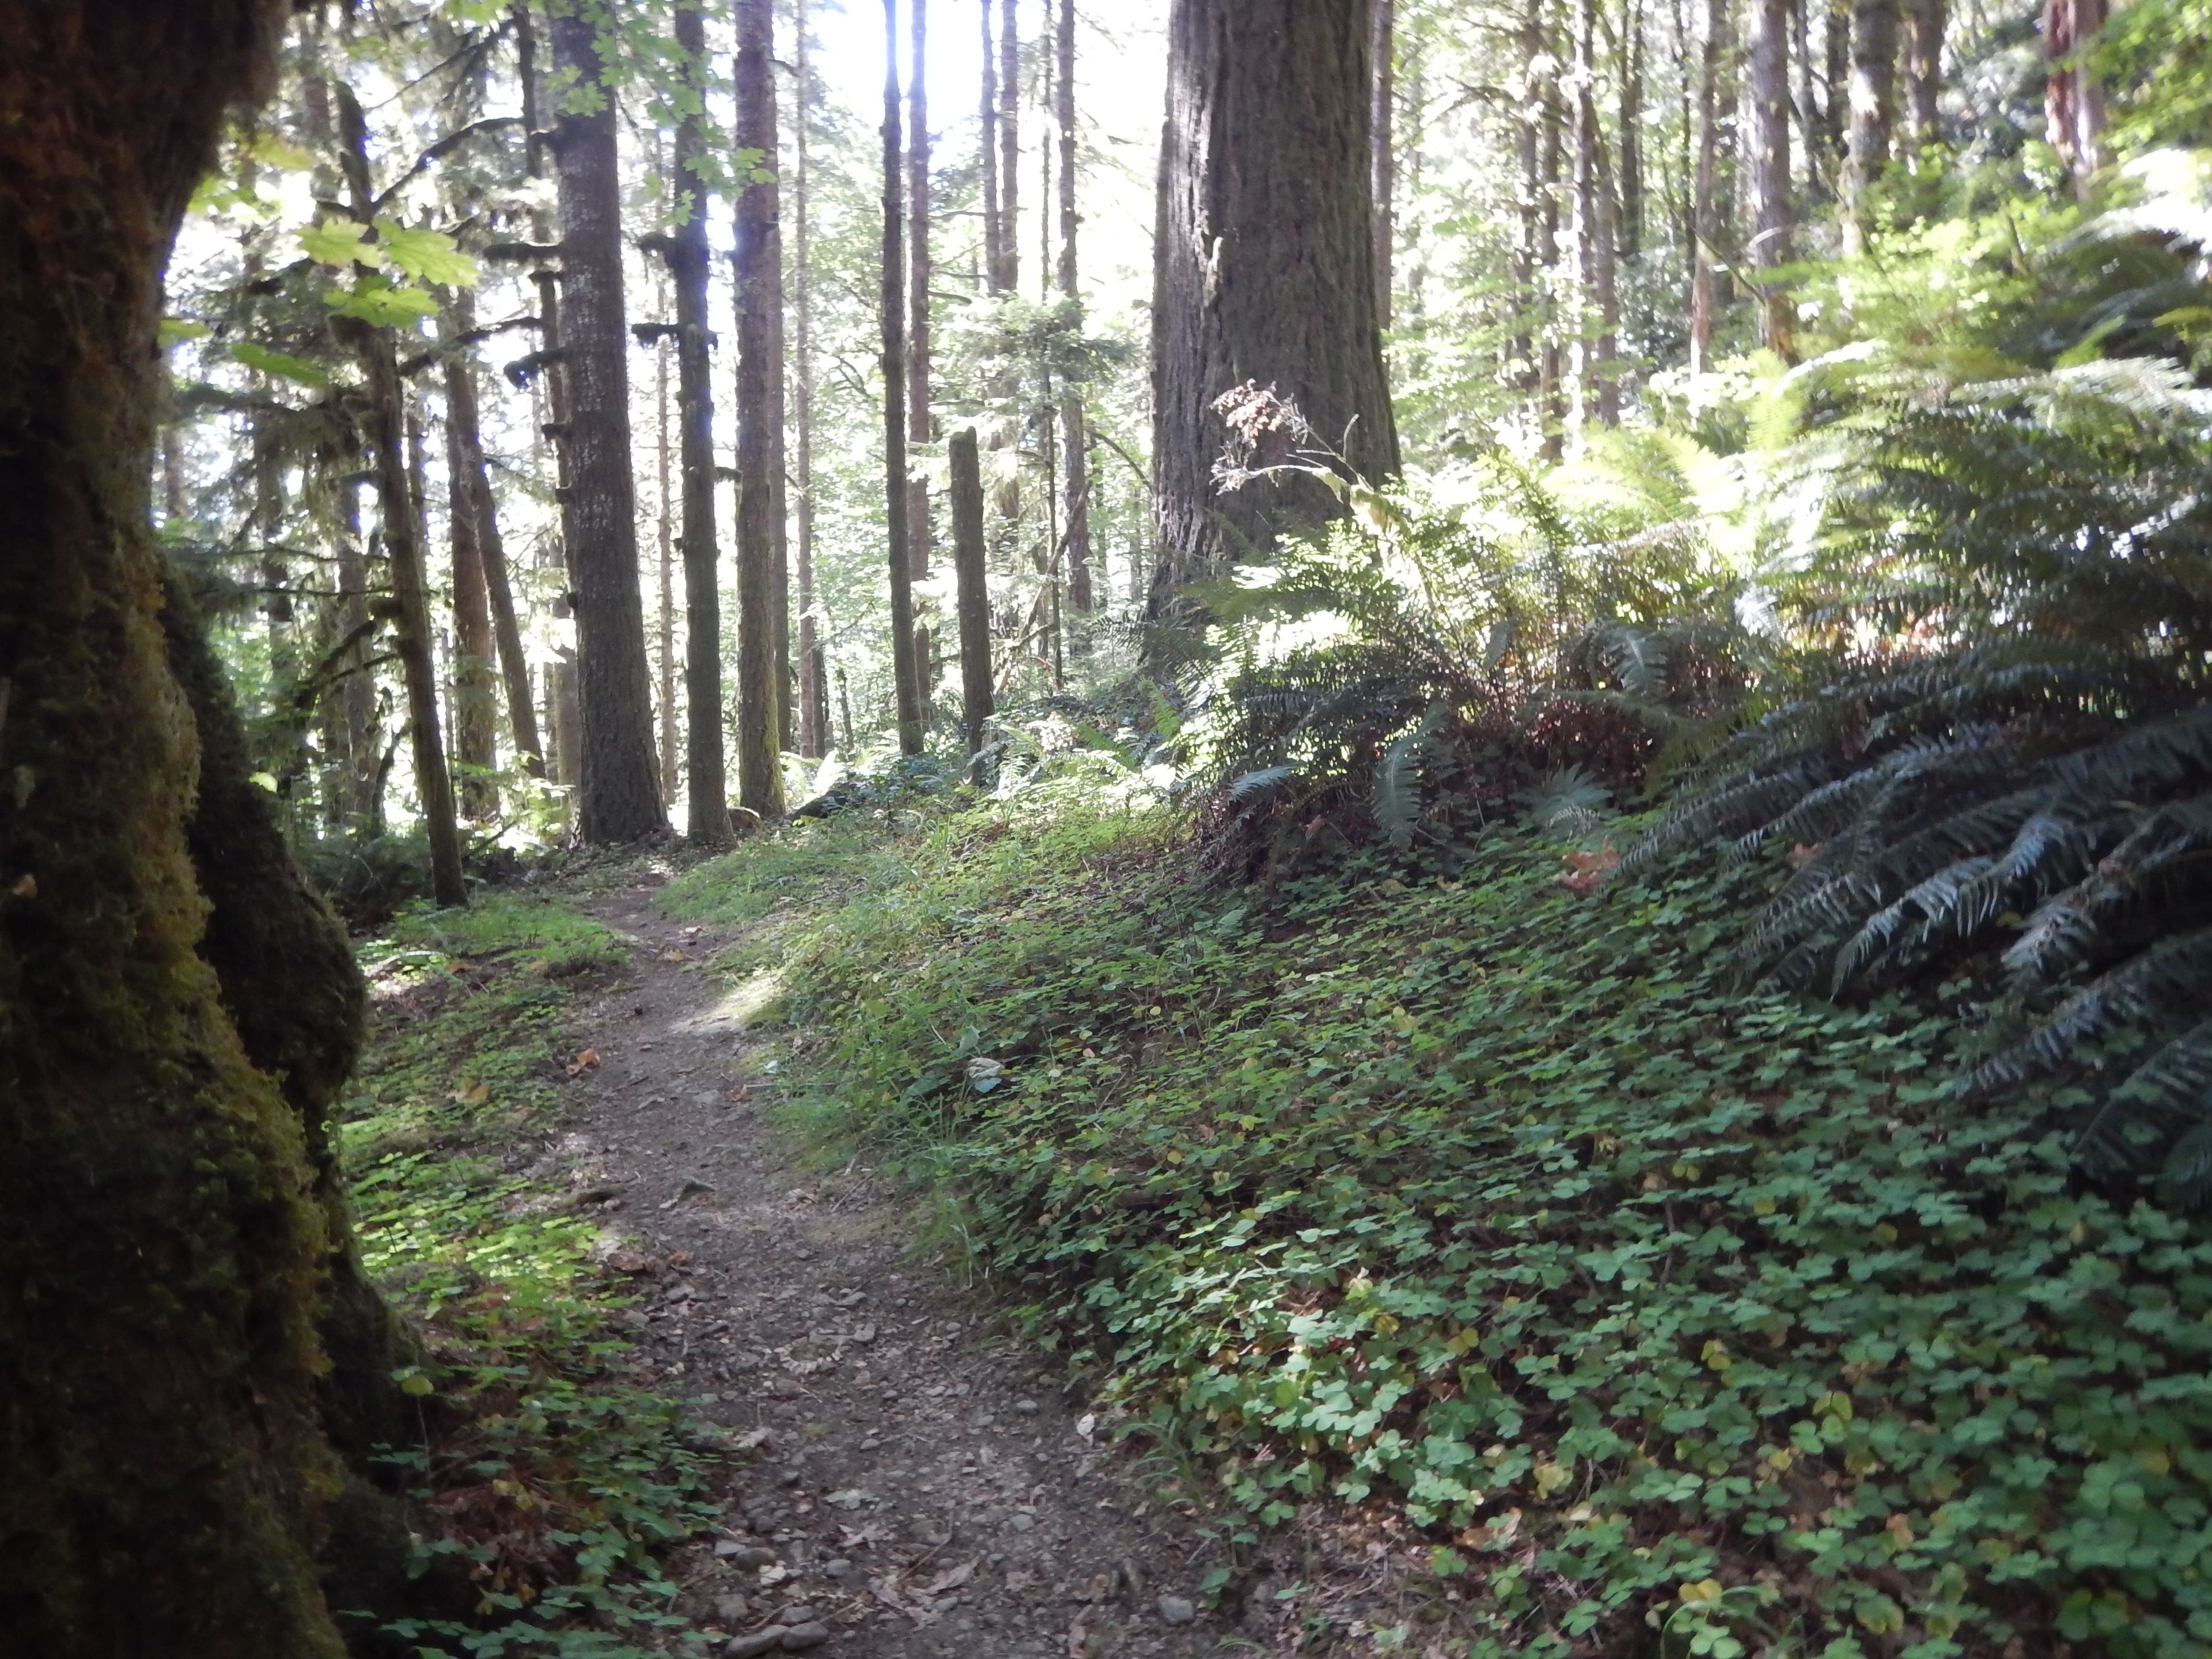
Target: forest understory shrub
point(552, 1474)
point(1495, 1201)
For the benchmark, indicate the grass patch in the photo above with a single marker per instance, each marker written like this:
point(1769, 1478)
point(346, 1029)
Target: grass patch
point(1657, 1302)
point(544, 1462)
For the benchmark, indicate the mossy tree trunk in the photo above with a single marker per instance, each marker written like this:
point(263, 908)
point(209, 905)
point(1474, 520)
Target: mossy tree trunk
point(160, 1244)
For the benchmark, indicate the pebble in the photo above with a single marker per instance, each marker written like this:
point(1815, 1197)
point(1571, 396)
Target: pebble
point(1176, 1610)
point(799, 1638)
point(761, 1641)
point(1021, 1523)
point(730, 1609)
point(1026, 1408)
point(837, 1569)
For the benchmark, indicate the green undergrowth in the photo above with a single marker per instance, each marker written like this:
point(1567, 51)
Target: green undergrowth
point(1663, 1305)
point(544, 1462)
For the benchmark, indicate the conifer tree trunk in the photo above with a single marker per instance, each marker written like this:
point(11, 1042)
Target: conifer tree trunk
point(475, 674)
point(1808, 112)
point(666, 528)
point(364, 805)
point(814, 698)
point(1873, 111)
point(1074, 442)
point(917, 273)
point(1010, 145)
point(1383, 166)
point(994, 230)
point(1551, 404)
point(1926, 20)
point(906, 676)
point(400, 513)
point(973, 597)
point(1836, 74)
point(619, 786)
point(1704, 191)
point(759, 271)
point(2072, 98)
point(1594, 235)
point(1527, 298)
point(1629, 231)
point(164, 1468)
point(707, 814)
point(1767, 67)
point(1265, 267)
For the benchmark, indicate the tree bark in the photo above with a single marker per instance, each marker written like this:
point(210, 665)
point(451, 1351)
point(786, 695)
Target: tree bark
point(1768, 66)
point(462, 412)
point(1010, 146)
point(759, 271)
point(994, 231)
point(160, 1443)
point(664, 529)
point(1265, 269)
point(1705, 193)
point(814, 699)
point(364, 797)
point(2072, 98)
point(1873, 112)
point(1383, 166)
point(475, 673)
point(618, 797)
point(973, 596)
point(1599, 296)
point(1629, 228)
point(1074, 441)
point(917, 272)
point(906, 675)
point(1925, 21)
point(1528, 299)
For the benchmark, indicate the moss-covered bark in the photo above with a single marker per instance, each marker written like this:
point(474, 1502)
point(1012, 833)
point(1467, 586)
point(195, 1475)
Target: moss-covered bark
point(160, 1240)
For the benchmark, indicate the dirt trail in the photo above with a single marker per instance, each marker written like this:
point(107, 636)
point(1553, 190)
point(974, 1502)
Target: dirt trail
point(915, 1486)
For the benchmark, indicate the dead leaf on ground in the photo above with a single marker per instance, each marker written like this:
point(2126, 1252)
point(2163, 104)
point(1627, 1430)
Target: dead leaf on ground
point(674, 956)
point(1587, 870)
point(950, 1578)
point(584, 1062)
point(472, 1094)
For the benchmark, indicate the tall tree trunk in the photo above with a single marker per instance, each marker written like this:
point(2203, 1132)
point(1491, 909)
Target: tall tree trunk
point(1551, 404)
point(973, 597)
point(1528, 268)
point(475, 717)
point(918, 269)
point(364, 798)
point(906, 674)
point(1873, 112)
point(759, 271)
point(1767, 68)
point(1076, 475)
point(399, 511)
point(619, 791)
point(665, 534)
point(1630, 230)
point(1595, 233)
point(1836, 75)
point(499, 587)
point(706, 812)
point(994, 230)
point(1010, 144)
point(1265, 266)
point(159, 1447)
point(813, 696)
point(1705, 190)
point(2072, 98)
point(1383, 164)
point(1807, 110)
point(1925, 21)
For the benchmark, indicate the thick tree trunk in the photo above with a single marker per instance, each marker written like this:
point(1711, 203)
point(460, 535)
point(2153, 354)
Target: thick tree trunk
point(1265, 267)
point(994, 231)
point(619, 788)
point(906, 674)
point(813, 700)
point(2072, 98)
point(973, 596)
point(918, 270)
point(1010, 146)
point(1598, 298)
point(160, 1442)
point(759, 271)
point(1705, 190)
point(1630, 229)
point(1551, 404)
point(1836, 75)
point(1925, 21)
point(1075, 535)
point(1873, 112)
point(665, 704)
point(1527, 299)
point(1383, 166)
point(1767, 70)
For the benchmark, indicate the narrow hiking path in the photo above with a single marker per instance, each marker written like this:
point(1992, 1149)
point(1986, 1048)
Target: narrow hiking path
point(912, 1485)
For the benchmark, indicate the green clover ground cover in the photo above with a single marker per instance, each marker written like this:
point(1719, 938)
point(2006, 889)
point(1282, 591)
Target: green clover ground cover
point(544, 1464)
point(1662, 1303)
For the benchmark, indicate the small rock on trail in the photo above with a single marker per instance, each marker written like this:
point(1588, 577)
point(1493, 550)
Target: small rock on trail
point(904, 1487)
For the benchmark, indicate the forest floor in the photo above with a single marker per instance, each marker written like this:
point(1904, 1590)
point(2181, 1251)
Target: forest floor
point(914, 1483)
